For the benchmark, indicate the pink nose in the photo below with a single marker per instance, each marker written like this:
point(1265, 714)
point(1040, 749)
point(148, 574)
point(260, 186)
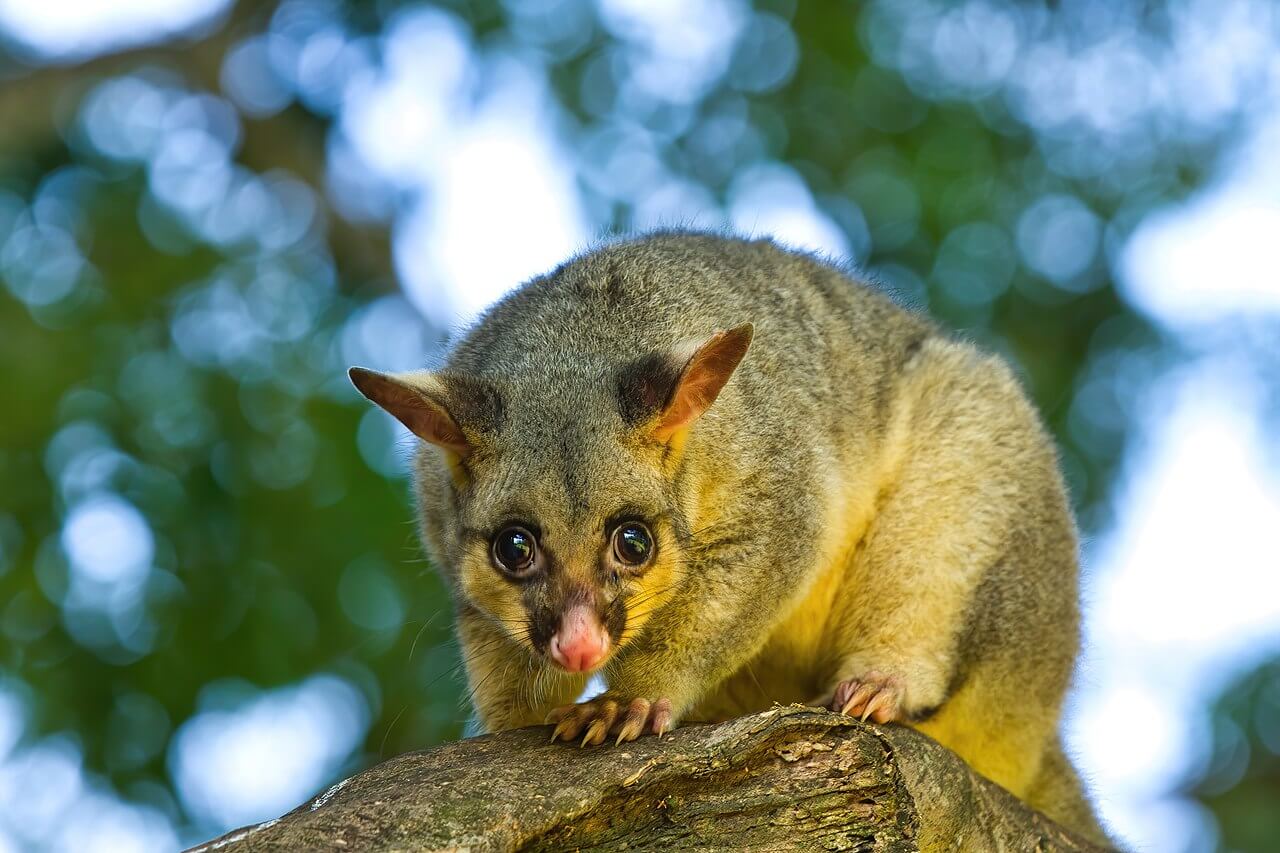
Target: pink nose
point(581, 643)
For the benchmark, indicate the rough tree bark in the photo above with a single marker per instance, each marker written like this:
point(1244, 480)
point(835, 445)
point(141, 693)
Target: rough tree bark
point(791, 778)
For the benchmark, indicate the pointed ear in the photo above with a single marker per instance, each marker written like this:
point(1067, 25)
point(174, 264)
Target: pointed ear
point(701, 380)
point(415, 400)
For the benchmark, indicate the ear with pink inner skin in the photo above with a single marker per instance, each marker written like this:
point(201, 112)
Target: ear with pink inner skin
point(701, 380)
point(414, 399)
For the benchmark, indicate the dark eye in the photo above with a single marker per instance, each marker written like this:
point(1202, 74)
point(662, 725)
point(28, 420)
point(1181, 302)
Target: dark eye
point(632, 543)
point(515, 550)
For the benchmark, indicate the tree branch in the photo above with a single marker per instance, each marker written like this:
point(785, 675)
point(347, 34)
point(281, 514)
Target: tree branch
point(791, 778)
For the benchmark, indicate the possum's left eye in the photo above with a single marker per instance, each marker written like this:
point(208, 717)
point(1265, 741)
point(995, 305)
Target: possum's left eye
point(632, 543)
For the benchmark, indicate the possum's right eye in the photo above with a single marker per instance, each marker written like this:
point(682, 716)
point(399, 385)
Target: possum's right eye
point(515, 550)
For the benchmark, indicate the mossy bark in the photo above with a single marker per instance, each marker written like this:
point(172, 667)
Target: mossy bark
point(791, 778)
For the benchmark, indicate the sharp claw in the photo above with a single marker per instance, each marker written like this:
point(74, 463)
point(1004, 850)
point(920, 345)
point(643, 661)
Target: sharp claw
point(859, 698)
point(661, 717)
point(841, 698)
point(602, 720)
point(874, 696)
point(631, 728)
point(595, 733)
point(877, 702)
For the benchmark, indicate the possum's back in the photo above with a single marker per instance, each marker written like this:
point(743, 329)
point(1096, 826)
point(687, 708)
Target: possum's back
point(672, 288)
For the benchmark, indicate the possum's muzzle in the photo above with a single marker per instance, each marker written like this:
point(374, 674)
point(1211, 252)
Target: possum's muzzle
point(580, 643)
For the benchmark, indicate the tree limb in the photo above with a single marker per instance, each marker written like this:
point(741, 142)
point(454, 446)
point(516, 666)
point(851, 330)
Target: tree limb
point(792, 778)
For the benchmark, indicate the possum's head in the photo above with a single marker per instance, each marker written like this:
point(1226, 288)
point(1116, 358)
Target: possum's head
point(555, 488)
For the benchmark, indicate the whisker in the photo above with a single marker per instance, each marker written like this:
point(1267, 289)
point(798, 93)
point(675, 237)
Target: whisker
point(425, 625)
point(382, 747)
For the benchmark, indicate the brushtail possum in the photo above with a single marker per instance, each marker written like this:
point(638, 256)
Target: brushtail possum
point(723, 475)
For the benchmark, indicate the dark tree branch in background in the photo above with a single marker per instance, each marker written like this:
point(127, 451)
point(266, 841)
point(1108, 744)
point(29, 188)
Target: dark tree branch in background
point(788, 779)
point(292, 140)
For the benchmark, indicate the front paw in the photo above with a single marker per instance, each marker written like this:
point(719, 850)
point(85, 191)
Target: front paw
point(873, 696)
point(605, 715)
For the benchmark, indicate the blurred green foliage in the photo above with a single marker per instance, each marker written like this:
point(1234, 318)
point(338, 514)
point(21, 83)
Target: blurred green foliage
point(1240, 781)
point(168, 344)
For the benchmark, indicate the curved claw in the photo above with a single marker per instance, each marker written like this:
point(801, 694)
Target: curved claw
point(662, 717)
point(632, 724)
point(562, 731)
point(595, 720)
point(574, 719)
point(605, 714)
point(874, 696)
point(860, 697)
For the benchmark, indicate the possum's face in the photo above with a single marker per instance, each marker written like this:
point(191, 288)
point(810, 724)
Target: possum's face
point(565, 527)
point(570, 543)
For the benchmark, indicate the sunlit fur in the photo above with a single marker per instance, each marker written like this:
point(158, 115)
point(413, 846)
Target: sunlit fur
point(866, 494)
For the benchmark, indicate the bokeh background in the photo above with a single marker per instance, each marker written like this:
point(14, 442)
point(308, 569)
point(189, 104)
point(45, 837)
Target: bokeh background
point(212, 602)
